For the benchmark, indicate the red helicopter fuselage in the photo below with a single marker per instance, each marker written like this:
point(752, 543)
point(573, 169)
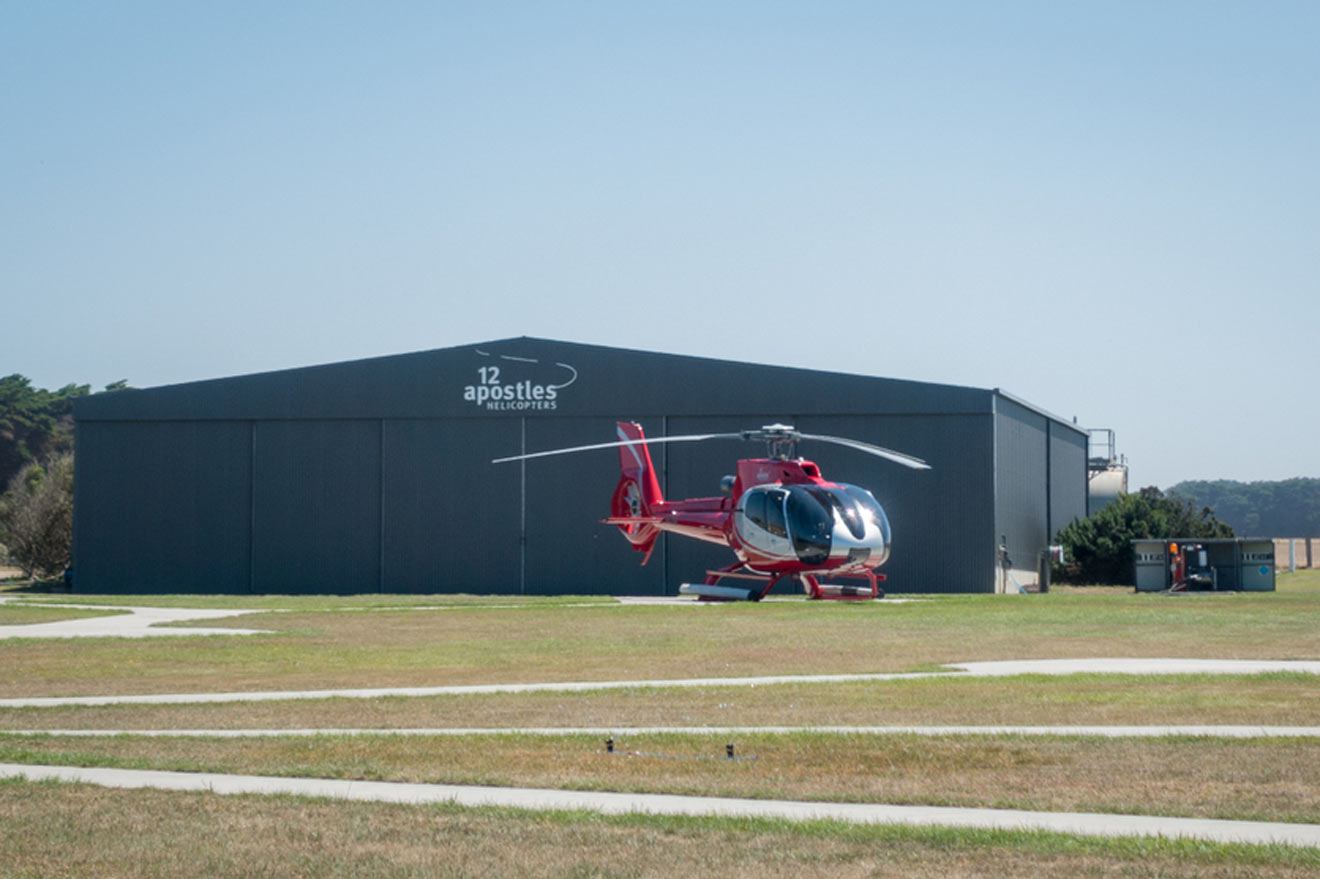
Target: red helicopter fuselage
point(780, 517)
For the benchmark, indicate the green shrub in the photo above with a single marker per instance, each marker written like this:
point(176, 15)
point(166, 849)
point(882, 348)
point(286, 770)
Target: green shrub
point(36, 517)
point(1098, 548)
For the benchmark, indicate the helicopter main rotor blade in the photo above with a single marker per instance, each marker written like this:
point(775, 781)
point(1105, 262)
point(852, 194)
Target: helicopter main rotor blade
point(878, 451)
point(696, 437)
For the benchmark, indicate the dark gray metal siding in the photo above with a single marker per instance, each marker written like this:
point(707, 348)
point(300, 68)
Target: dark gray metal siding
point(1022, 490)
point(163, 506)
point(1040, 471)
point(1068, 450)
point(316, 509)
point(451, 520)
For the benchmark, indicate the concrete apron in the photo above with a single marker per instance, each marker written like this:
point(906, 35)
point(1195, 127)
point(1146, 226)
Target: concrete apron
point(1085, 824)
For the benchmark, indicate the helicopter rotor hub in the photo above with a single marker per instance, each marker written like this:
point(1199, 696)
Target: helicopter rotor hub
point(780, 440)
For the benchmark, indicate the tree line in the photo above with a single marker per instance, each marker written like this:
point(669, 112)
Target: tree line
point(1287, 508)
point(36, 473)
point(36, 424)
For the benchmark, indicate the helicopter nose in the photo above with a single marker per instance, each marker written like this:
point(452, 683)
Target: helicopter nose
point(857, 555)
point(870, 549)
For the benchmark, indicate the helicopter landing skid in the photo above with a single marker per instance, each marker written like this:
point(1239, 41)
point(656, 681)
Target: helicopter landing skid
point(709, 592)
point(711, 589)
point(848, 592)
point(760, 585)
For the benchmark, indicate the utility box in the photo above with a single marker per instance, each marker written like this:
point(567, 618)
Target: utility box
point(1203, 564)
point(1151, 563)
point(1258, 565)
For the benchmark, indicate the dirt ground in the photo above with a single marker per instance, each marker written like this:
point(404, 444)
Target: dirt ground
point(1302, 557)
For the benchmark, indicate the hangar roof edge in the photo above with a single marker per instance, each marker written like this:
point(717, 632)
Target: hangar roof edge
point(447, 382)
point(288, 371)
point(1045, 413)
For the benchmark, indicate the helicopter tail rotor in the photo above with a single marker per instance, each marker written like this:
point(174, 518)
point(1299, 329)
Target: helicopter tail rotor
point(638, 490)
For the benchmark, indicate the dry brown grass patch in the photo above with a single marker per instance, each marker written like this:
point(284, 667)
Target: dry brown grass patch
point(1258, 779)
point(76, 830)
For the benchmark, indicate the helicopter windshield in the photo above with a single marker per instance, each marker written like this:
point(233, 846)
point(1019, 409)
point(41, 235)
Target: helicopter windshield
point(847, 507)
point(810, 524)
point(869, 507)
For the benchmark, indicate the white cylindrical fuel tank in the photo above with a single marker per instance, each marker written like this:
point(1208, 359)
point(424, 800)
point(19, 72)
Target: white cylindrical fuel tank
point(1104, 487)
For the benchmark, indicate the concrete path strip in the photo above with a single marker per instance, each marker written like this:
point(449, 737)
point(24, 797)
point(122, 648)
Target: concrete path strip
point(1136, 666)
point(1086, 824)
point(1111, 732)
point(137, 623)
point(1000, 668)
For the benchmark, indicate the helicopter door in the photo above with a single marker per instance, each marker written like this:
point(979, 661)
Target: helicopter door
point(760, 523)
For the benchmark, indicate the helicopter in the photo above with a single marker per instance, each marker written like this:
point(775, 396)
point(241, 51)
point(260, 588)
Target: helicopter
point(783, 520)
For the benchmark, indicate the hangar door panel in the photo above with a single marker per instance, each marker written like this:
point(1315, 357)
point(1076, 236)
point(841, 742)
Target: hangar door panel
point(163, 506)
point(568, 550)
point(316, 511)
point(452, 518)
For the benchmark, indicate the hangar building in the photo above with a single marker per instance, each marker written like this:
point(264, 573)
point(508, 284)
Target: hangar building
point(376, 475)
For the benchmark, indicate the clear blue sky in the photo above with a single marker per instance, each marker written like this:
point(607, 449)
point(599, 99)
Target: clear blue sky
point(1109, 209)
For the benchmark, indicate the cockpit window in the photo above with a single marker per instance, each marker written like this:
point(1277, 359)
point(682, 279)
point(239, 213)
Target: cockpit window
point(754, 507)
point(765, 509)
point(774, 513)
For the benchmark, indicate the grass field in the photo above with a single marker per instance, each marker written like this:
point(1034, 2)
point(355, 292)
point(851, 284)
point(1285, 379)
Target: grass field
point(497, 641)
point(377, 641)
